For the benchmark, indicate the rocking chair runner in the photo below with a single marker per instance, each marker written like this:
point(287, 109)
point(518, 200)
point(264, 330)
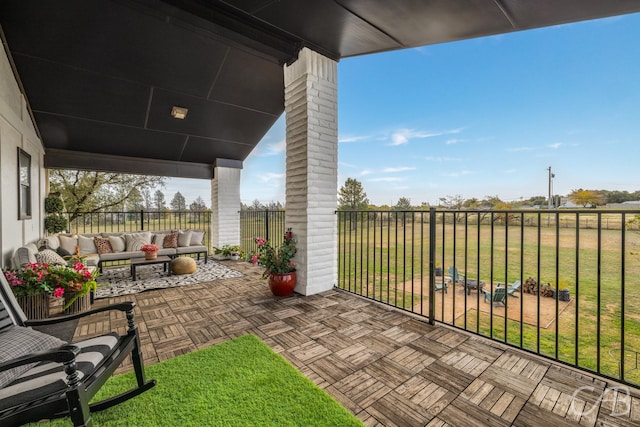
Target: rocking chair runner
point(42, 377)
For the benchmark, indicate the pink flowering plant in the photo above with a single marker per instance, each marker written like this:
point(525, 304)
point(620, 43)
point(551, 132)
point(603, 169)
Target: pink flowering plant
point(150, 248)
point(70, 282)
point(276, 261)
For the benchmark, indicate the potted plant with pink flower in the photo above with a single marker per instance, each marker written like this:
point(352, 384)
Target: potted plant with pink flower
point(34, 284)
point(150, 251)
point(74, 284)
point(278, 263)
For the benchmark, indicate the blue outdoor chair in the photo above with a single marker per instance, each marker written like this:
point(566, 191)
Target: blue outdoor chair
point(512, 288)
point(499, 295)
point(455, 276)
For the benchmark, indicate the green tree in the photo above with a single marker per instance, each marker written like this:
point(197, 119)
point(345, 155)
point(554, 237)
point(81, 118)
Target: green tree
point(147, 199)
point(536, 201)
point(452, 202)
point(135, 201)
point(352, 196)
point(90, 191)
point(403, 204)
point(198, 205)
point(158, 201)
point(586, 197)
point(178, 203)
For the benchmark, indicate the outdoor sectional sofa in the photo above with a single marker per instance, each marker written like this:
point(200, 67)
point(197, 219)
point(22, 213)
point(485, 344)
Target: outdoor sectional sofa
point(98, 248)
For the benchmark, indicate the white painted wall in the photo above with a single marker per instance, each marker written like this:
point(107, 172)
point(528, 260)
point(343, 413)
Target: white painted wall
point(225, 206)
point(17, 130)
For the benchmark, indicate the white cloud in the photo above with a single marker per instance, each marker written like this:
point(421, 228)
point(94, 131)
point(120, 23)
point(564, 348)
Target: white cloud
point(386, 179)
point(398, 169)
point(518, 149)
point(555, 146)
point(270, 176)
point(454, 141)
point(402, 136)
point(366, 172)
point(353, 138)
point(459, 173)
point(348, 165)
point(276, 148)
point(442, 159)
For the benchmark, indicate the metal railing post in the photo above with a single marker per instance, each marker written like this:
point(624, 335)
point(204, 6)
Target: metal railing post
point(141, 219)
point(432, 265)
point(266, 223)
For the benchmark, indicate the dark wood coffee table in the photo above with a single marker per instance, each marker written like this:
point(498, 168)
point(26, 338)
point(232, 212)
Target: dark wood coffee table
point(137, 262)
point(474, 284)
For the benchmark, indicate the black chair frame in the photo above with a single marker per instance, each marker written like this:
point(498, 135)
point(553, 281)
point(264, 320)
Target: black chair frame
point(74, 402)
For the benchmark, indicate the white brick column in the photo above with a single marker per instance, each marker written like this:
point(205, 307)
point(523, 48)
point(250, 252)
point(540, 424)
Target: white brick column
point(312, 168)
point(225, 203)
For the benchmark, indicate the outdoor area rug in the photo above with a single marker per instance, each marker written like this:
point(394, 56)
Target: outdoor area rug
point(118, 281)
point(241, 382)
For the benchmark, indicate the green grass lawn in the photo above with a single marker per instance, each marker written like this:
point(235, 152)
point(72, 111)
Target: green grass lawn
point(383, 262)
point(237, 383)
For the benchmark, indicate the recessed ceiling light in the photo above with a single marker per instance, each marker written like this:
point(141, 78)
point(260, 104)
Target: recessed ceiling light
point(179, 112)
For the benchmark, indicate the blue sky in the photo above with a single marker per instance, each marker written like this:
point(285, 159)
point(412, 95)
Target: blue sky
point(479, 118)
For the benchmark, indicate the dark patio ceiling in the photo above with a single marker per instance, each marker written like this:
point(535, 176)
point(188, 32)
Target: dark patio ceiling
point(102, 76)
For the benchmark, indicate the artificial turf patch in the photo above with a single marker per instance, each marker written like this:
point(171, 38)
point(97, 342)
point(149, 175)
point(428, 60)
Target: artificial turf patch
point(237, 383)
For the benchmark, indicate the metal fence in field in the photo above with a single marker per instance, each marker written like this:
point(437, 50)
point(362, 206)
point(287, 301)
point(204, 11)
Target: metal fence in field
point(260, 223)
point(560, 284)
point(127, 222)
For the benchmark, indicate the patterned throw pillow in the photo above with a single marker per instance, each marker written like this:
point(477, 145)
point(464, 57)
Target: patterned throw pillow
point(170, 241)
point(137, 240)
point(103, 245)
point(184, 238)
point(50, 257)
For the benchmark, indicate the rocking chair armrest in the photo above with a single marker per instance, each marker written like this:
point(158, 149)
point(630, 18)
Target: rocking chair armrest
point(123, 306)
point(64, 354)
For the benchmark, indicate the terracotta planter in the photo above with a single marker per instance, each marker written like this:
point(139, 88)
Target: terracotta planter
point(282, 285)
point(35, 306)
point(79, 305)
point(150, 255)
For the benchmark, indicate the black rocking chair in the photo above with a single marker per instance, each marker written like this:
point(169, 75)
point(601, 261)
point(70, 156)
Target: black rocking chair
point(42, 377)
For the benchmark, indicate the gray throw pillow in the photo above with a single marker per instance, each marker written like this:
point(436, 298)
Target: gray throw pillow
point(158, 239)
point(18, 341)
point(196, 238)
point(118, 243)
point(184, 238)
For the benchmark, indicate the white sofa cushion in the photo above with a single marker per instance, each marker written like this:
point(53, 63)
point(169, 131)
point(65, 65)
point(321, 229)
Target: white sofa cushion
point(118, 243)
point(68, 243)
point(184, 238)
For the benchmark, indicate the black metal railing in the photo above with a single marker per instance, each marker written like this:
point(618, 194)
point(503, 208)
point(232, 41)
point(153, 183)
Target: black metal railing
point(260, 223)
point(126, 222)
point(446, 266)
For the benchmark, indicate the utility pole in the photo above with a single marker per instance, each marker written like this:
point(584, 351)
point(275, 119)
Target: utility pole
point(551, 176)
